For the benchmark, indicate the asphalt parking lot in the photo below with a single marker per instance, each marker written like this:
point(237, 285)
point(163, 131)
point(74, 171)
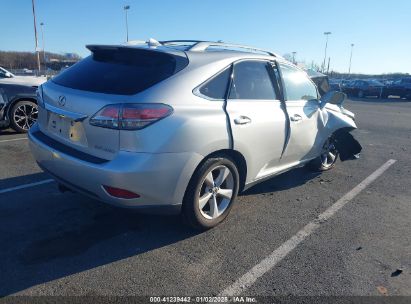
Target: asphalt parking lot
point(67, 244)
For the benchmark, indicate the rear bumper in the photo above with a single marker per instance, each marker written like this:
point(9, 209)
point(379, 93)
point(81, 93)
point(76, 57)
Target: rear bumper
point(160, 179)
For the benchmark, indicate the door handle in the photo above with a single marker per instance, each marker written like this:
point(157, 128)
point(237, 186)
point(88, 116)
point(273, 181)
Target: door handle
point(296, 118)
point(242, 120)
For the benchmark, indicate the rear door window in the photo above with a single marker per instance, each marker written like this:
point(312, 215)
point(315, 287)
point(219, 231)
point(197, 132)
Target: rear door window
point(122, 71)
point(252, 80)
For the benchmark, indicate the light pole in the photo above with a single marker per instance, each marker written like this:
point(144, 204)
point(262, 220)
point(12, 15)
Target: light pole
point(294, 53)
point(126, 8)
point(42, 40)
point(349, 67)
point(35, 35)
point(325, 52)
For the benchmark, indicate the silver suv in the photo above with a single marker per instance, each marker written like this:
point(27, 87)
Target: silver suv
point(184, 125)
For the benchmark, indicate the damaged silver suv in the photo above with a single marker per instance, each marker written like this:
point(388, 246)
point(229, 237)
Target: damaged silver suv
point(184, 125)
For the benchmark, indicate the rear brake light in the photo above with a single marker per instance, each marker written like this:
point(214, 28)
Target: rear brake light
point(107, 117)
point(130, 116)
point(120, 193)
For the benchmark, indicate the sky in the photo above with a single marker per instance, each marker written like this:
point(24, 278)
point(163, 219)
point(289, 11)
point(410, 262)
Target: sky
point(380, 29)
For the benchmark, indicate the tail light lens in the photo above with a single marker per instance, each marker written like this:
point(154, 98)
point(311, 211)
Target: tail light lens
point(130, 116)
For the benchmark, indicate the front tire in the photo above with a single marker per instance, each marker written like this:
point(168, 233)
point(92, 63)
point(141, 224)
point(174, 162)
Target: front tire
point(328, 157)
point(211, 193)
point(23, 115)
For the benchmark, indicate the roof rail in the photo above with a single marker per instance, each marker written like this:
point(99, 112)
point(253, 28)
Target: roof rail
point(150, 42)
point(174, 42)
point(203, 45)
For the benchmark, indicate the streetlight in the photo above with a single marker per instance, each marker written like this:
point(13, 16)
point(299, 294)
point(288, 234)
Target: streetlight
point(294, 53)
point(35, 35)
point(349, 67)
point(325, 52)
point(126, 8)
point(42, 39)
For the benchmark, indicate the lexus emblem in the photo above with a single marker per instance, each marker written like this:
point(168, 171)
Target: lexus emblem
point(62, 100)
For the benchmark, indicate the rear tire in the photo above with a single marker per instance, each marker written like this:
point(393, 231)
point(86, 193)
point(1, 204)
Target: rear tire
point(23, 115)
point(328, 157)
point(211, 193)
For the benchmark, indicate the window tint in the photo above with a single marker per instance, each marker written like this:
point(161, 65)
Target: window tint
point(297, 84)
point(123, 71)
point(216, 87)
point(252, 81)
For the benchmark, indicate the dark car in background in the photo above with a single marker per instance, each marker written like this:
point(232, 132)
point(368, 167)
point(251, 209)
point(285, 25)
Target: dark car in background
point(364, 88)
point(18, 107)
point(346, 83)
point(335, 84)
point(401, 88)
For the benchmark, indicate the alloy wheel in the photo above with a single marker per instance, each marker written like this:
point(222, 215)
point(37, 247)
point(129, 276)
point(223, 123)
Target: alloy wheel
point(329, 153)
point(216, 192)
point(25, 116)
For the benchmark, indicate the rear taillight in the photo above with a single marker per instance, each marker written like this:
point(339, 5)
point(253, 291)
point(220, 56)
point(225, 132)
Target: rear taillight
point(130, 116)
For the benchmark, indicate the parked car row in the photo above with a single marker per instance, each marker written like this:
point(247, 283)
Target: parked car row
point(371, 87)
point(401, 87)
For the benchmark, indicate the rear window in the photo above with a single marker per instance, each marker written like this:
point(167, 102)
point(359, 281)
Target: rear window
point(121, 71)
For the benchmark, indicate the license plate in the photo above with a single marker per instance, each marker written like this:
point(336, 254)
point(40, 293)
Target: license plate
point(66, 128)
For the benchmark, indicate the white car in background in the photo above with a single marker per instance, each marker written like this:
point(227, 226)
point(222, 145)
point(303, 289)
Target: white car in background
point(10, 78)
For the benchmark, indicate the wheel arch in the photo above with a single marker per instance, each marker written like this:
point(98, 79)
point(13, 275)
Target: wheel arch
point(238, 159)
point(17, 99)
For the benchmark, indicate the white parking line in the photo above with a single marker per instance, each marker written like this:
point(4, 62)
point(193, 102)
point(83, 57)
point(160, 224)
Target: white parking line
point(46, 181)
point(14, 139)
point(248, 279)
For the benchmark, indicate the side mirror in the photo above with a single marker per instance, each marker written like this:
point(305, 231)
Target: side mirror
point(8, 75)
point(332, 97)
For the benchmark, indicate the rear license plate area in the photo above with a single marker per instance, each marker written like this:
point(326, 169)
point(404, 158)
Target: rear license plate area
point(66, 129)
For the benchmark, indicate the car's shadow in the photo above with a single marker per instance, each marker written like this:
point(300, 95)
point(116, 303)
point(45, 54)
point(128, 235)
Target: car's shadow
point(6, 132)
point(287, 180)
point(46, 235)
